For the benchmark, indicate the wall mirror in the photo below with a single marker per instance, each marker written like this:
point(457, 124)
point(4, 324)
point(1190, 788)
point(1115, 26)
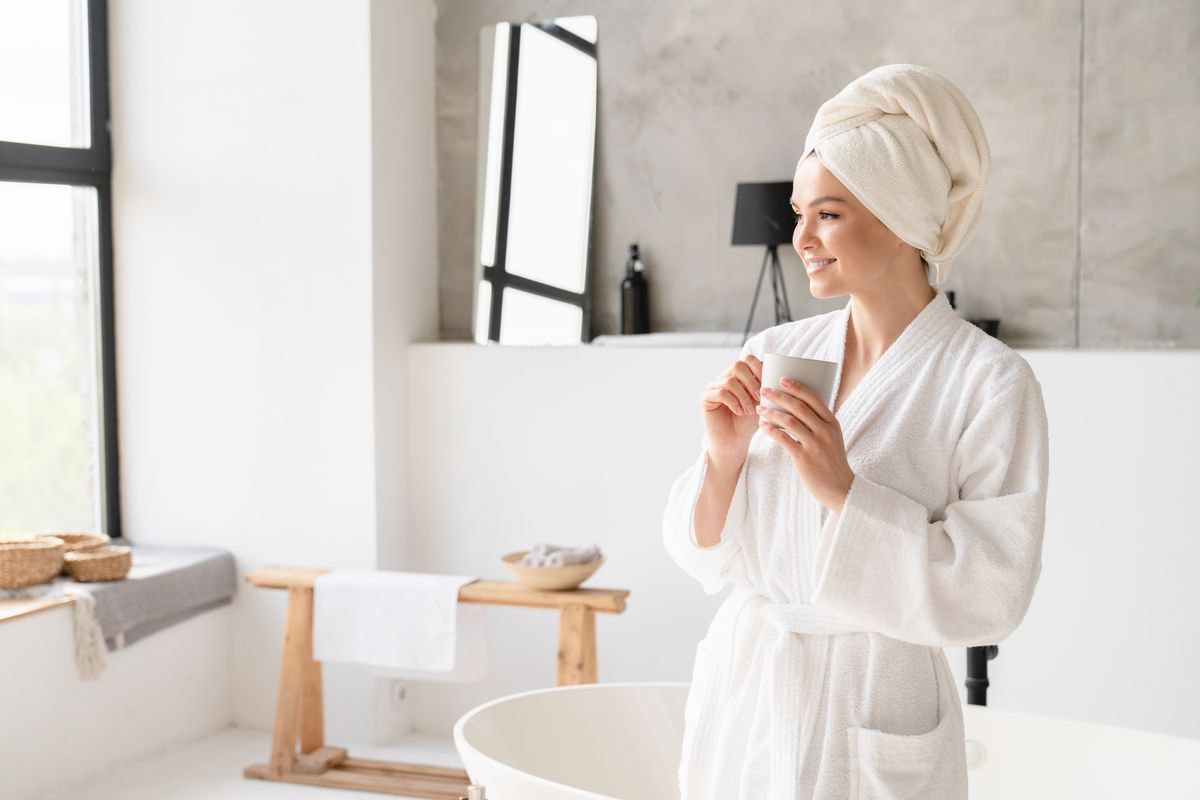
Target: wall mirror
point(534, 182)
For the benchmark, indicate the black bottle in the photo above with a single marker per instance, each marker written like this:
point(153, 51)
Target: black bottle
point(635, 295)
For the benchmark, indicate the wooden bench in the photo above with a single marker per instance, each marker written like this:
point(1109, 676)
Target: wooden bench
point(298, 750)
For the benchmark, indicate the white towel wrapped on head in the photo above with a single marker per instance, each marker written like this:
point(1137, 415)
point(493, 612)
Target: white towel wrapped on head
point(549, 555)
point(909, 145)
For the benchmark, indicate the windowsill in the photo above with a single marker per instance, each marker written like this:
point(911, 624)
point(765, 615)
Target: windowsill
point(673, 340)
point(165, 586)
point(15, 608)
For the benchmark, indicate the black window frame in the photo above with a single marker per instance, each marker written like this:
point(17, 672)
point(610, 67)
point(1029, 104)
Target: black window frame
point(21, 162)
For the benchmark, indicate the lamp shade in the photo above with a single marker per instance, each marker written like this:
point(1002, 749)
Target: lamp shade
point(763, 213)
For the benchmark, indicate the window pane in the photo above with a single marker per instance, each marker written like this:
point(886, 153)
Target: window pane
point(43, 72)
point(50, 477)
point(483, 311)
point(535, 320)
point(550, 200)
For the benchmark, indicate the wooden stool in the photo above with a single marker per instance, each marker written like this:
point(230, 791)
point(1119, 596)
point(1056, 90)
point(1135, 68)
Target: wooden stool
point(299, 715)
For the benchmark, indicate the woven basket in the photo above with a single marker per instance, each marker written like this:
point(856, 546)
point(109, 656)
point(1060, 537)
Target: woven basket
point(26, 562)
point(81, 541)
point(108, 563)
point(75, 542)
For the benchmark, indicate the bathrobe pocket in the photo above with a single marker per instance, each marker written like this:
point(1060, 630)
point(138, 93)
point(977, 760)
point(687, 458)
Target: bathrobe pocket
point(925, 766)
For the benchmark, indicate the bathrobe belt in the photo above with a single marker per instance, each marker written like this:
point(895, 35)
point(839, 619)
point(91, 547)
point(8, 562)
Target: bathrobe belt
point(795, 672)
point(805, 618)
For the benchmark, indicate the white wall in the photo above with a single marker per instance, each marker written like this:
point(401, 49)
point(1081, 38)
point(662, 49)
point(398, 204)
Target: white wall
point(275, 251)
point(404, 241)
point(55, 727)
point(580, 445)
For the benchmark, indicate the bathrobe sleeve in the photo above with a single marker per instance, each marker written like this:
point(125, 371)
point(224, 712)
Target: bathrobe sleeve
point(723, 562)
point(962, 581)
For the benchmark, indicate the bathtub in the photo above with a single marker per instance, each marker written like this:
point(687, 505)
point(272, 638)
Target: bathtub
point(621, 741)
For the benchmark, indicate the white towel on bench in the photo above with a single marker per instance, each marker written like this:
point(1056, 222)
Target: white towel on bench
point(402, 624)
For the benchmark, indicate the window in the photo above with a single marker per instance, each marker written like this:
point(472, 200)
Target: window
point(58, 454)
point(534, 219)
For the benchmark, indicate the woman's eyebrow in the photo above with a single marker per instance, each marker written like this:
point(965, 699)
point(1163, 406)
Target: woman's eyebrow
point(828, 198)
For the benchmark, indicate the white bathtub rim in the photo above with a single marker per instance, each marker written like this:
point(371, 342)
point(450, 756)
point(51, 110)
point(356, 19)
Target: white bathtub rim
point(1144, 735)
point(1177, 743)
point(460, 741)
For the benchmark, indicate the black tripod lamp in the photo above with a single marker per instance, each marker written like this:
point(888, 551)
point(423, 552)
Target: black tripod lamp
point(763, 216)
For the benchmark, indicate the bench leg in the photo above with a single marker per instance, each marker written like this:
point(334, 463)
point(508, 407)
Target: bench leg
point(576, 646)
point(312, 706)
point(298, 714)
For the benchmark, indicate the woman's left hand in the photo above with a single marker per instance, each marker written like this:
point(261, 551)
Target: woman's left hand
point(812, 436)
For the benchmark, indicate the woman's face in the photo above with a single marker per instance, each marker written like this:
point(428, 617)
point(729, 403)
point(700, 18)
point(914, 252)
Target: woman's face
point(832, 224)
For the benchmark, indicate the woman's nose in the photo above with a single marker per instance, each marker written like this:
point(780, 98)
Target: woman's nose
point(803, 237)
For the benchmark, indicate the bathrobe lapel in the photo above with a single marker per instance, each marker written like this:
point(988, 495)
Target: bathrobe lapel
point(888, 372)
point(865, 402)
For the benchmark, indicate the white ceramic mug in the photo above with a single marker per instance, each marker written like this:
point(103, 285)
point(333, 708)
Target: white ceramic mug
point(815, 374)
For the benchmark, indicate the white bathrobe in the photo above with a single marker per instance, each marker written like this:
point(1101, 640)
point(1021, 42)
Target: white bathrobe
point(822, 674)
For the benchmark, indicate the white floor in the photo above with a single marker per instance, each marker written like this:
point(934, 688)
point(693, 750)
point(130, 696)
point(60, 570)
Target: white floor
point(212, 768)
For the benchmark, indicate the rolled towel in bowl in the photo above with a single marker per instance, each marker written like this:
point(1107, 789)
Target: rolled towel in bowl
point(542, 549)
point(576, 555)
point(537, 555)
point(549, 555)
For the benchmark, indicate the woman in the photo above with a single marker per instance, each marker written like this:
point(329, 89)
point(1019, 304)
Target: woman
point(861, 540)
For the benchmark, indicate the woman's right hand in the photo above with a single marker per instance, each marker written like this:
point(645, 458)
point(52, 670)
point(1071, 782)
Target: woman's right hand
point(728, 405)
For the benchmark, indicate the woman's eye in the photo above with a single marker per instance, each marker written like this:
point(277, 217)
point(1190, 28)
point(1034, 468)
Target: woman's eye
point(822, 214)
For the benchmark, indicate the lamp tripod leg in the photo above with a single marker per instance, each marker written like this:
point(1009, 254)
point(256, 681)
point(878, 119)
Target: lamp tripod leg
point(781, 292)
point(775, 276)
point(754, 302)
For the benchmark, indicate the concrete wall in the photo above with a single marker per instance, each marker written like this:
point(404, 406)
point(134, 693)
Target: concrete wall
point(1087, 237)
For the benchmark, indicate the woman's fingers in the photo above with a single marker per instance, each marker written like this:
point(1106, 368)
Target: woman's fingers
point(785, 421)
point(800, 396)
point(748, 372)
point(750, 376)
point(755, 365)
point(740, 401)
point(795, 411)
point(729, 393)
point(738, 388)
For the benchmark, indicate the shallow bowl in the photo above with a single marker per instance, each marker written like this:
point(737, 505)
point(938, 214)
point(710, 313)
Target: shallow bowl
point(552, 578)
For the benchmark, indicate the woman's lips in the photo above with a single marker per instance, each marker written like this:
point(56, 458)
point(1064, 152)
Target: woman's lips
point(819, 265)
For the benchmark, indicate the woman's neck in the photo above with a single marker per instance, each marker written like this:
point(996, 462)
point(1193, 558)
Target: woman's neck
point(878, 319)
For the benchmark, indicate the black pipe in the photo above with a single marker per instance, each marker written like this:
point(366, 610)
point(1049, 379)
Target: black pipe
point(977, 677)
